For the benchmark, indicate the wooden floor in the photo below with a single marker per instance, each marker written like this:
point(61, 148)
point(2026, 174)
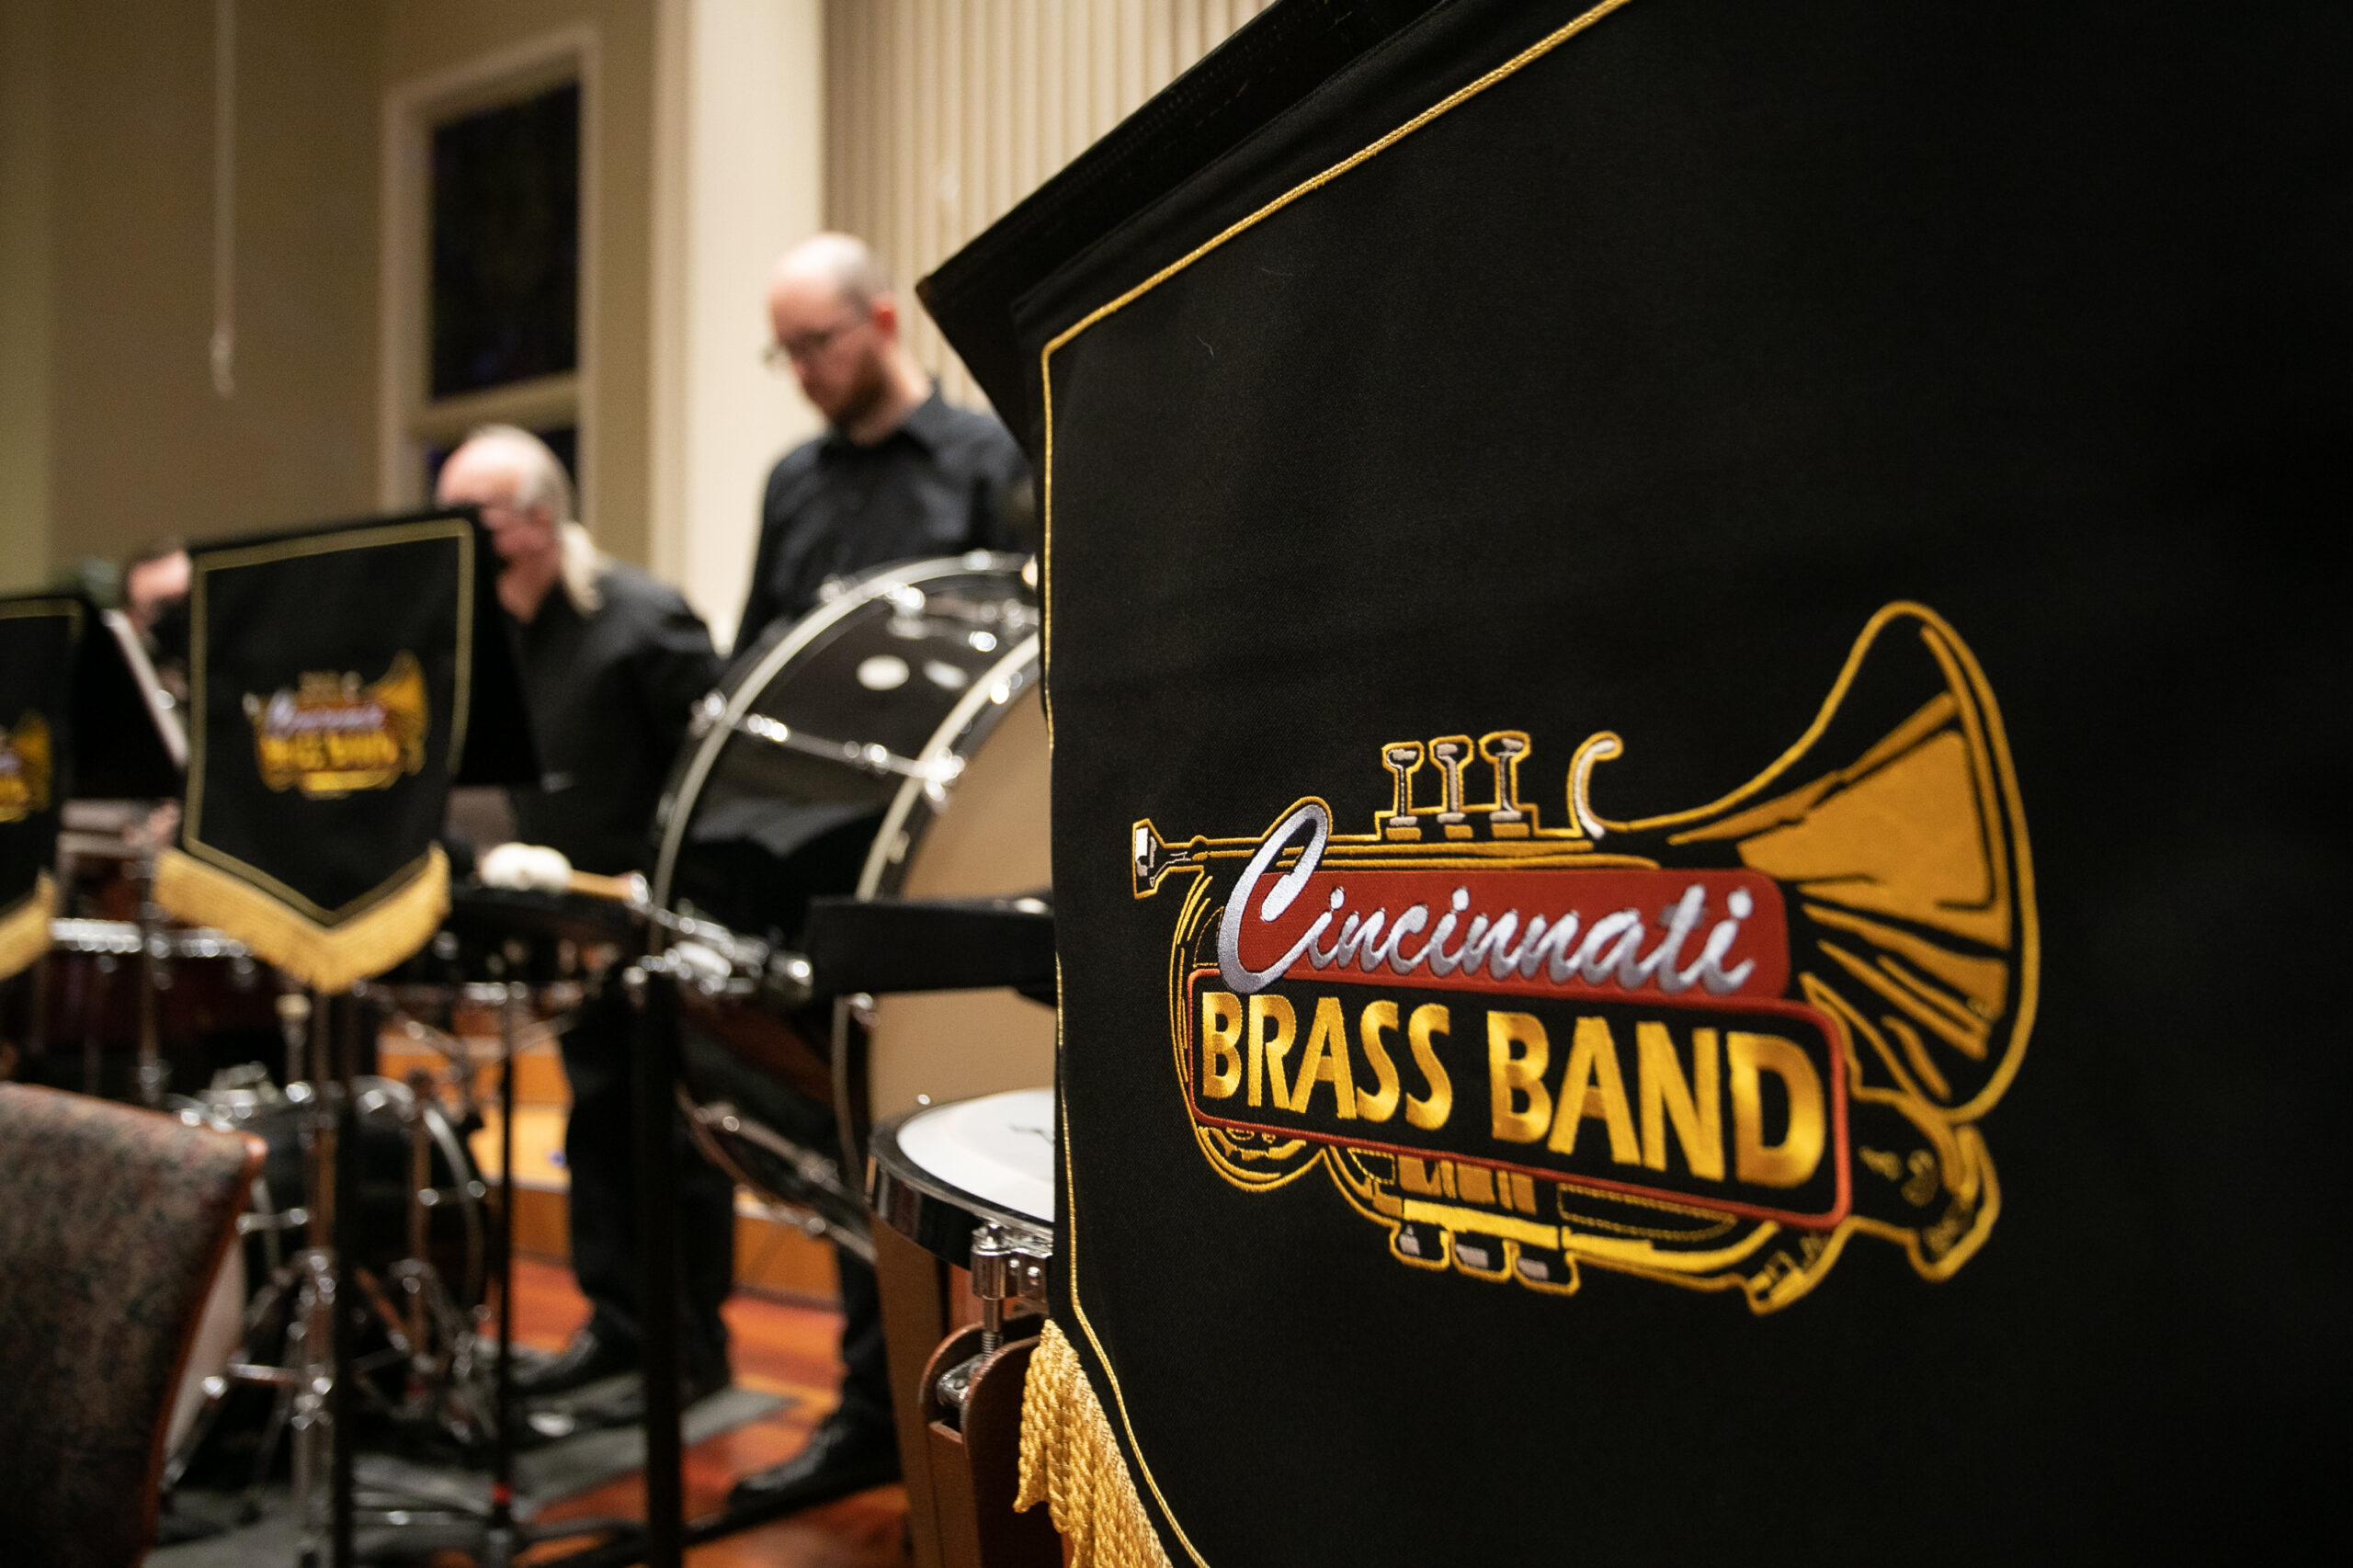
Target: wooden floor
point(784, 1338)
point(778, 1348)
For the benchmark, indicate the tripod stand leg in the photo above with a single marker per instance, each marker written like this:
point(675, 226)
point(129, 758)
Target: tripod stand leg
point(310, 1339)
point(657, 1167)
point(345, 1018)
point(500, 1543)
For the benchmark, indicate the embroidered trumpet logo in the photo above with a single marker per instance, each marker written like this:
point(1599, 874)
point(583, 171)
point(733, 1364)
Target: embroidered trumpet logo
point(330, 734)
point(25, 763)
point(1706, 1047)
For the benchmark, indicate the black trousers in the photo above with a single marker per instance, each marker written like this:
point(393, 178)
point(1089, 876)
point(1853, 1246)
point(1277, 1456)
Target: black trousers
point(866, 1375)
point(600, 1152)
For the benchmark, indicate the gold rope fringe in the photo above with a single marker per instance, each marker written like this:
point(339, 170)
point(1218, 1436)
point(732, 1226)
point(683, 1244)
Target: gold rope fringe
point(329, 958)
point(1071, 1460)
point(24, 930)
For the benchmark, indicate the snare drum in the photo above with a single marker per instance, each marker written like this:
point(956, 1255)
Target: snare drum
point(939, 1175)
point(181, 1001)
point(969, 1186)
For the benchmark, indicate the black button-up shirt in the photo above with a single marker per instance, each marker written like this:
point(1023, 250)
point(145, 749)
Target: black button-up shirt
point(609, 695)
point(946, 481)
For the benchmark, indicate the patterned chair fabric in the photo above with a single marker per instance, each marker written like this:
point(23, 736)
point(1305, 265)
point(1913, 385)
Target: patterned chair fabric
point(112, 1223)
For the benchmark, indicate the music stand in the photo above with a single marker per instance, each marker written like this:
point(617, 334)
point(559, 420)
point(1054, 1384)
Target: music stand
point(343, 677)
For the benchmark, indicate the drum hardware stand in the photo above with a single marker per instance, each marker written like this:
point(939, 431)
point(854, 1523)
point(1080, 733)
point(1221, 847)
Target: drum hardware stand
point(1007, 1265)
point(315, 1388)
point(319, 1339)
point(154, 976)
point(93, 1079)
point(821, 1173)
point(498, 1539)
point(652, 984)
point(337, 1031)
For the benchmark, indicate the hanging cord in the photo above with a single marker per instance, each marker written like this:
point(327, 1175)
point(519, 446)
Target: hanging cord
point(225, 198)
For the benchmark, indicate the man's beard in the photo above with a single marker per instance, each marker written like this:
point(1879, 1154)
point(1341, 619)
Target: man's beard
point(866, 394)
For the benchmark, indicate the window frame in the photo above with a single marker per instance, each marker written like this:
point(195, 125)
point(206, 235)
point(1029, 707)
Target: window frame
point(408, 420)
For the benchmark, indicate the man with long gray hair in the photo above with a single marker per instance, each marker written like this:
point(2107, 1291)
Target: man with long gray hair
point(612, 663)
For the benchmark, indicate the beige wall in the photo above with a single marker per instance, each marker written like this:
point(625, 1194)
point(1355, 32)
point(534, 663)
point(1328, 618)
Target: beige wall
point(941, 114)
point(426, 39)
point(113, 432)
point(137, 443)
point(937, 116)
point(739, 176)
point(24, 186)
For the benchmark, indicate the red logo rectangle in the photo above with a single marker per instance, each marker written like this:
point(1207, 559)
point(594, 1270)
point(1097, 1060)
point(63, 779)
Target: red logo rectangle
point(1697, 936)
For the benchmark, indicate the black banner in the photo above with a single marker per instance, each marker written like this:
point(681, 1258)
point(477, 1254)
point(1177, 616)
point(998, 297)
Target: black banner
point(333, 677)
point(40, 639)
point(1815, 505)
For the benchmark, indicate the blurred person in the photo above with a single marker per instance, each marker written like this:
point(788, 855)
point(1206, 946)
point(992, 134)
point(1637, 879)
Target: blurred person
point(154, 599)
point(153, 580)
point(611, 663)
point(899, 475)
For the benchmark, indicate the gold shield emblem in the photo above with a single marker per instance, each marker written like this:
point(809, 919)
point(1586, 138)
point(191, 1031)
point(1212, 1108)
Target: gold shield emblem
point(329, 734)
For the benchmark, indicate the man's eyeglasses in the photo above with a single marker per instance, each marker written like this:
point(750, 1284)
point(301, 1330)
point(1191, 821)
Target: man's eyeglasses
point(807, 344)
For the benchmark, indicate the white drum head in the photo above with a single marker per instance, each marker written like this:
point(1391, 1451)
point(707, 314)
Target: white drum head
point(1000, 1148)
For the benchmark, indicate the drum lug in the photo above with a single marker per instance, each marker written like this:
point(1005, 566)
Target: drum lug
point(791, 979)
point(1007, 1264)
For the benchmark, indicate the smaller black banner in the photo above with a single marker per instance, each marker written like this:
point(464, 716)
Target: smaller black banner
point(332, 678)
point(39, 640)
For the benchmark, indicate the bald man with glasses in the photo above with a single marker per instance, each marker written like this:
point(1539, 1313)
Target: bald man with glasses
point(901, 474)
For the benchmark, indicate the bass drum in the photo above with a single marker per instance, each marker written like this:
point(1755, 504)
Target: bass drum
point(893, 743)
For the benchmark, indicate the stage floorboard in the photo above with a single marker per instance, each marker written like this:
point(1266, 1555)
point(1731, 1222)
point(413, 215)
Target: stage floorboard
point(777, 1347)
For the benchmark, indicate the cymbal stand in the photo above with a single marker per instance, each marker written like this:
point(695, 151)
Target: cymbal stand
point(155, 977)
point(319, 1346)
point(653, 989)
point(498, 1545)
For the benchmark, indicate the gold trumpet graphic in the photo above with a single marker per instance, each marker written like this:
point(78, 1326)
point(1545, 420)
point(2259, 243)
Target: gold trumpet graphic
point(25, 765)
point(1708, 1046)
point(330, 734)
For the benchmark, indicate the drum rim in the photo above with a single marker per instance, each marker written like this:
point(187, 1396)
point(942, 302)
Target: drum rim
point(888, 1168)
point(677, 802)
point(129, 938)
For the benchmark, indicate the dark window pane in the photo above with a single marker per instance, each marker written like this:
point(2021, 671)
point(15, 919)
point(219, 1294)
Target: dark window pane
point(564, 441)
point(506, 295)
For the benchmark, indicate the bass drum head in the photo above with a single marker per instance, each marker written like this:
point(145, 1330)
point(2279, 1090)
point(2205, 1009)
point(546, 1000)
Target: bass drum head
point(794, 762)
point(929, 671)
point(991, 840)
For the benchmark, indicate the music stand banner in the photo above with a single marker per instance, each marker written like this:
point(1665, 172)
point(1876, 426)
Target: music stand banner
point(1697, 769)
point(39, 639)
point(332, 674)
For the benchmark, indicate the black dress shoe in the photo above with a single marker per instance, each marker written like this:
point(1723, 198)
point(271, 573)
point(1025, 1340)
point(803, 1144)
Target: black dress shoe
point(842, 1457)
point(618, 1404)
point(589, 1356)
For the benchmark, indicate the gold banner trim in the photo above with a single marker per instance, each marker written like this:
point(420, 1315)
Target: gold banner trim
point(1070, 1462)
point(329, 958)
point(24, 930)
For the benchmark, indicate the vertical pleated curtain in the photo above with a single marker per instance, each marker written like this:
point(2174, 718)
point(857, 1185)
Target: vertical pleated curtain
point(941, 114)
